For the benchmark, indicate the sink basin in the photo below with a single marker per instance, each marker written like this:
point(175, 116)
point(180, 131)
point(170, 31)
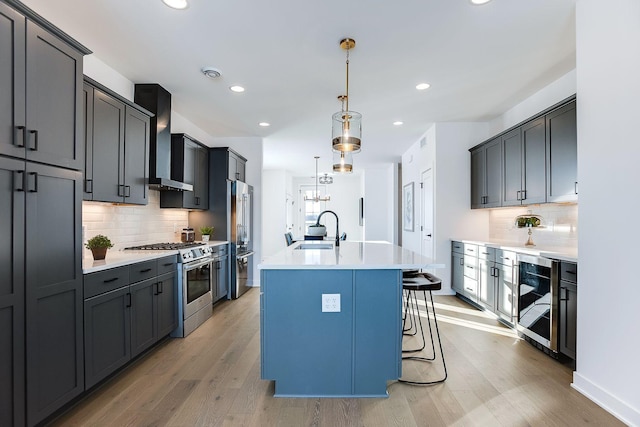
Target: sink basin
point(307, 246)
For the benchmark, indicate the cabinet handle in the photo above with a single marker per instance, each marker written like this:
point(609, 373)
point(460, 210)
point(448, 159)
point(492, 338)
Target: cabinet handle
point(518, 195)
point(461, 261)
point(33, 189)
point(120, 190)
point(110, 280)
point(88, 186)
point(18, 180)
point(156, 287)
point(566, 294)
point(128, 300)
point(34, 146)
point(19, 129)
point(160, 287)
point(570, 272)
point(468, 266)
point(237, 175)
point(575, 187)
point(469, 289)
point(524, 195)
point(197, 200)
point(469, 250)
point(146, 270)
point(127, 191)
point(167, 264)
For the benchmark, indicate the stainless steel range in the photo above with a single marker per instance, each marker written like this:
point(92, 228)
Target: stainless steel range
point(194, 283)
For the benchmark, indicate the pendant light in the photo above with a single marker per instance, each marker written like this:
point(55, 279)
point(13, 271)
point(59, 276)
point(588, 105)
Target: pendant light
point(342, 162)
point(316, 196)
point(346, 130)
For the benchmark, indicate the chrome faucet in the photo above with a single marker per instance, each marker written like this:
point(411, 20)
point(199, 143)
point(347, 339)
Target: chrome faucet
point(337, 224)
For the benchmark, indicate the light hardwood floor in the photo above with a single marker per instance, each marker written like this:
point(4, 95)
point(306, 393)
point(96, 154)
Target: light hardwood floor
point(212, 378)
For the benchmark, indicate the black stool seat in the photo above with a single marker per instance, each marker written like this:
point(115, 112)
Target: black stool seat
point(415, 282)
point(421, 282)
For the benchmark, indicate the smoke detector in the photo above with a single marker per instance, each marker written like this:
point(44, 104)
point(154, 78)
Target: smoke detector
point(211, 72)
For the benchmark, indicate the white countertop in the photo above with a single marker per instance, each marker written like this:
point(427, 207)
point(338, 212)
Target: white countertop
point(349, 255)
point(560, 253)
point(122, 257)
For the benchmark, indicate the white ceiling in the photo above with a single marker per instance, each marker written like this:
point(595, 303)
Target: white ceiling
point(479, 60)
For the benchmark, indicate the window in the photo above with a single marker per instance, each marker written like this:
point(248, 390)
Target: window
point(310, 209)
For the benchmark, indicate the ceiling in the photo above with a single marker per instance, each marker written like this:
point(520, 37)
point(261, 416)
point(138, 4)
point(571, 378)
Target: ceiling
point(479, 60)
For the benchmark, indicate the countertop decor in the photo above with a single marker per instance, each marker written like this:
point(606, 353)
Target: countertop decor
point(529, 221)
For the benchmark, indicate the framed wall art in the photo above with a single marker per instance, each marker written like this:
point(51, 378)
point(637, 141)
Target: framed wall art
point(407, 207)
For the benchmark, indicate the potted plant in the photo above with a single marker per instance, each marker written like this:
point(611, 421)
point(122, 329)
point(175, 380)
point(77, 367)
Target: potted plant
point(99, 245)
point(206, 233)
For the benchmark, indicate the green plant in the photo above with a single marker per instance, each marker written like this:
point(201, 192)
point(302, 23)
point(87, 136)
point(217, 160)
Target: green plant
point(206, 230)
point(99, 241)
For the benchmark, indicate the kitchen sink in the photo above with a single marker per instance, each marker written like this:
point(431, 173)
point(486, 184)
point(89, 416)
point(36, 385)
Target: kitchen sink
point(306, 246)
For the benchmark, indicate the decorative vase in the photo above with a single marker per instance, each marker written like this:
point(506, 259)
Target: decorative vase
point(205, 237)
point(99, 253)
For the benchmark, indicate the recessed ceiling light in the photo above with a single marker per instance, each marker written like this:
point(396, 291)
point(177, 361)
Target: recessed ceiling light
point(480, 1)
point(423, 86)
point(264, 124)
point(237, 89)
point(176, 4)
point(211, 72)
point(397, 123)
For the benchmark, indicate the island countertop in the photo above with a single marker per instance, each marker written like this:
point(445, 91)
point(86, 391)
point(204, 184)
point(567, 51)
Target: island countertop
point(349, 255)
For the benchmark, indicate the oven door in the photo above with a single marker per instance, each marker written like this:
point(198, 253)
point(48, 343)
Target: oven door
point(196, 284)
point(538, 300)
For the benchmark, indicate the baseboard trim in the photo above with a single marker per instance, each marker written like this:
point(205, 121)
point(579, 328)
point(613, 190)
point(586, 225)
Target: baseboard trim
point(612, 404)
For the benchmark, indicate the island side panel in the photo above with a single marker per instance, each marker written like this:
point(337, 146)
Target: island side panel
point(307, 352)
point(378, 330)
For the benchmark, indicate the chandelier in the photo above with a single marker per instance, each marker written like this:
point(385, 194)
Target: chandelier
point(316, 196)
point(346, 125)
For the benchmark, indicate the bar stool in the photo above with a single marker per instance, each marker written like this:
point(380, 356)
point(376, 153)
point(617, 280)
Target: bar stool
point(414, 282)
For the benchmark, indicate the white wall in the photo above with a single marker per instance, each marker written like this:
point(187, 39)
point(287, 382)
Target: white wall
point(561, 89)
point(608, 64)
point(380, 202)
point(274, 190)
point(445, 150)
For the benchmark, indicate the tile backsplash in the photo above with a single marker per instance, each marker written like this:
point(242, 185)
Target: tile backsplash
point(129, 225)
point(560, 225)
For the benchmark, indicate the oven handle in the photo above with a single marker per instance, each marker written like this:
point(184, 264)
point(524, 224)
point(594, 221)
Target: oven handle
point(193, 265)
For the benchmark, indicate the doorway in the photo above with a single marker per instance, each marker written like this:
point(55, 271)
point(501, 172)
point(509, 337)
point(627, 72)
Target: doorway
point(426, 216)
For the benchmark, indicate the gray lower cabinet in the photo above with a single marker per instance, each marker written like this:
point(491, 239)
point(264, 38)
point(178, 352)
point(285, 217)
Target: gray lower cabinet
point(486, 277)
point(128, 309)
point(568, 308)
point(221, 281)
point(41, 355)
point(506, 286)
point(116, 147)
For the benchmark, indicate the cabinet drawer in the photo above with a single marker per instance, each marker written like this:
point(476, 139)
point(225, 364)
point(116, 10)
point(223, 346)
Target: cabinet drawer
point(486, 253)
point(470, 249)
point(105, 281)
point(167, 264)
point(457, 247)
point(470, 287)
point(143, 270)
point(471, 267)
point(569, 272)
point(505, 257)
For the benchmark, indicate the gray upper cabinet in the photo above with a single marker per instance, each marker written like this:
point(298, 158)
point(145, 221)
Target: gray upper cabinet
point(537, 160)
point(190, 164)
point(12, 82)
point(486, 175)
point(236, 167)
point(36, 65)
point(117, 148)
point(562, 161)
point(524, 164)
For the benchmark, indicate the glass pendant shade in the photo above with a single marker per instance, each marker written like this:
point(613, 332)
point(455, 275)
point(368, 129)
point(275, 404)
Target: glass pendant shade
point(346, 131)
point(342, 162)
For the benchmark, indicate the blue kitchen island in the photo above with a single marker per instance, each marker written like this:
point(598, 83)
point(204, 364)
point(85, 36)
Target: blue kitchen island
point(331, 317)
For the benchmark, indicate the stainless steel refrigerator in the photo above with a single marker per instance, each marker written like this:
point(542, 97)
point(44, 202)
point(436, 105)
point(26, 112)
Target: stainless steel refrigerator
point(231, 214)
point(241, 228)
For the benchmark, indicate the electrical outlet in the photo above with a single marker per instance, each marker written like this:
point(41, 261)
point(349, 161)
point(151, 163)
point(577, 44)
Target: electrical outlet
point(330, 303)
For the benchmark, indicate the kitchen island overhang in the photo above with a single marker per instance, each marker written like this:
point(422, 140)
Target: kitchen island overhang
point(314, 344)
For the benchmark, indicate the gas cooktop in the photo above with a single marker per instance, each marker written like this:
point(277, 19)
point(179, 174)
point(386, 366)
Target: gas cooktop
point(169, 246)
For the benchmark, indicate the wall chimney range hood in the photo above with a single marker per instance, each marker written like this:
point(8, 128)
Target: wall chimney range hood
point(156, 99)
